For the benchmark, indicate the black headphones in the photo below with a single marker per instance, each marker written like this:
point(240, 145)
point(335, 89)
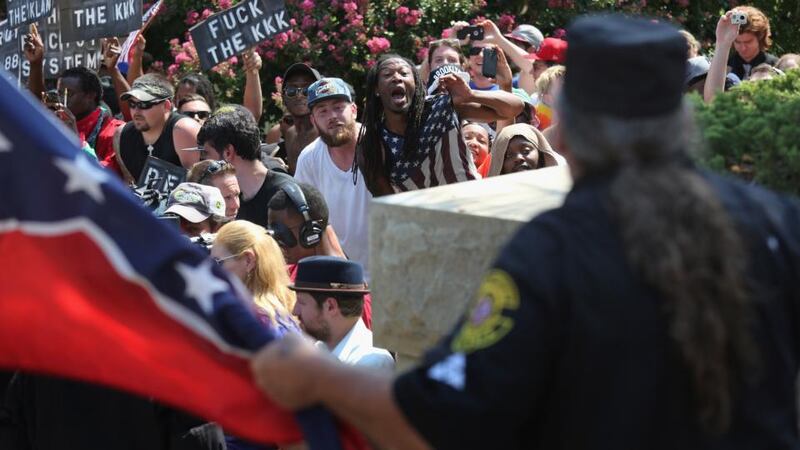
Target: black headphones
point(311, 231)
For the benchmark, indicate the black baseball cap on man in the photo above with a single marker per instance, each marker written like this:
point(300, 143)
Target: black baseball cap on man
point(624, 67)
point(148, 88)
point(302, 68)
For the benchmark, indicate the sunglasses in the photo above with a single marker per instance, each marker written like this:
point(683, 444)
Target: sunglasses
point(292, 91)
point(475, 51)
point(221, 261)
point(213, 168)
point(197, 115)
point(282, 234)
point(143, 106)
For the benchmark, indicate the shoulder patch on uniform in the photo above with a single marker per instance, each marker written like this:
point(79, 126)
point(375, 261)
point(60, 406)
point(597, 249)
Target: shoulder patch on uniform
point(486, 323)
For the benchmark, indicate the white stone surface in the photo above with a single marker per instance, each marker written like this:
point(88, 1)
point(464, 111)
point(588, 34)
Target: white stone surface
point(430, 248)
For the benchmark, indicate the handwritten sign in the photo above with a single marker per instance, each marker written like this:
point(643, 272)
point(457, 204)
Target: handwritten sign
point(229, 33)
point(160, 175)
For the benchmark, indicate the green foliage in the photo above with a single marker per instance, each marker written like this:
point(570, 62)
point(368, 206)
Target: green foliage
point(752, 132)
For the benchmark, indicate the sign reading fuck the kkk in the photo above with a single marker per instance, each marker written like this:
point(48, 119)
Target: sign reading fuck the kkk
point(90, 19)
point(23, 12)
point(229, 33)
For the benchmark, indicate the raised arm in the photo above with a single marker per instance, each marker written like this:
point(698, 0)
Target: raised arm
point(512, 51)
point(481, 106)
point(135, 67)
point(34, 53)
point(715, 80)
point(253, 100)
point(110, 57)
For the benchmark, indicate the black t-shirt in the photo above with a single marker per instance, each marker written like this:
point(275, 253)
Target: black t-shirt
point(133, 150)
point(742, 69)
point(565, 349)
point(255, 209)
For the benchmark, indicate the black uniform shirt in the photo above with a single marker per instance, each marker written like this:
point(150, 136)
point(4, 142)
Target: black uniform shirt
point(565, 349)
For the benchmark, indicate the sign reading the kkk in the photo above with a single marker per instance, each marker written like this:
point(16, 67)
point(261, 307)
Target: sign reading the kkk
point(229, 33)
point(23, 12)
point(89, 19)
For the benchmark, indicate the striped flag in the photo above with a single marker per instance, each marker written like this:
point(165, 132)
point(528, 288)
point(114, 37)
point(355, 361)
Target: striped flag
point(127, 46)
point(93, 287)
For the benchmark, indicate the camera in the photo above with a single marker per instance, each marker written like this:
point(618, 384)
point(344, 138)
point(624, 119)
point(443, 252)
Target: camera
point(52, 98)
point(739, 18)
point(474, 33)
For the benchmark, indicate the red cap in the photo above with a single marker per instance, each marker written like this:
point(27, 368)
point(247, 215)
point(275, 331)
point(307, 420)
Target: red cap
point(552, 49)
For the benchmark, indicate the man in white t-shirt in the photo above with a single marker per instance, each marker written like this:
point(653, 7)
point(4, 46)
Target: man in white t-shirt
point(327, 164)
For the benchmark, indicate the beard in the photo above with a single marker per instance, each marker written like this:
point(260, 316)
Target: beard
point(343, 135)
point(141, 125)
point(319, 331)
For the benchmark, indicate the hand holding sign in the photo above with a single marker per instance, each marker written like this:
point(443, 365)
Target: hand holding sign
point(33, 48)
point(252, 61)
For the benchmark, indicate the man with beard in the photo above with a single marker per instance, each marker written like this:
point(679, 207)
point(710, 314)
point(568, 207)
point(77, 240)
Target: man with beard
point(410, 142)
point(327, 164)
point(330, 302)
point(296, 80)
point(155, 130)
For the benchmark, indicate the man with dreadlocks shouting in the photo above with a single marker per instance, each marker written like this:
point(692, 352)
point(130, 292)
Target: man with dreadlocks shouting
point(409, 142)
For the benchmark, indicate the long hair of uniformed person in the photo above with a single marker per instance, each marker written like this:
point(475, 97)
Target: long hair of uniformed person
point(369, 154)
point(680, 240)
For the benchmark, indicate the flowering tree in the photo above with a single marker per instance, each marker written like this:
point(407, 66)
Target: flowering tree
point(343, 37)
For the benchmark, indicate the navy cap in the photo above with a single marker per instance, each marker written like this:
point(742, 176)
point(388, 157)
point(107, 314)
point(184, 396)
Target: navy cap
point(328, 88)
point(329, 274)
point(625, 67)
point(301, 68)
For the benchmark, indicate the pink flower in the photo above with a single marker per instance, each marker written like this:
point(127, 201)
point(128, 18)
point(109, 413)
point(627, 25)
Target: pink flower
point(224, 4)
point(233, 60)
point(293, 22)
point(280, 40)
point(505, 22)
point(308, 22)
point(413, 17)
point(270, 55)
point(192, 17)
point(371, 63)
point(307, 5)
point(357, 20)
point(331, 47)
point(378, 45)
point(174, 42)
point(172, 70)
point(206, 12)
point(446, 33)
point(350, 7)
point(182, 57)
point(401, 11)
point(422, 54)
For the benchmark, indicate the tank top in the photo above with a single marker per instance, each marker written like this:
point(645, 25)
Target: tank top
point(134, 151)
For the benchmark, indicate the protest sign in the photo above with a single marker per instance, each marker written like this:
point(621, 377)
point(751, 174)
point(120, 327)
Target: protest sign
point(60, 55)
point(23, 12)
point(160, 175)
point(89, 19)
point(229, 33)
point(11, 58)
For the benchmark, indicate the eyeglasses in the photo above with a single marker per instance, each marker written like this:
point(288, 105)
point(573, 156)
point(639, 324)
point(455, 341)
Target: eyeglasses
point(220, 261)
point(143, 106)
point(475, 51)
point(197, 115)
point(282, 234)
point(292, 91)
point(213, 168)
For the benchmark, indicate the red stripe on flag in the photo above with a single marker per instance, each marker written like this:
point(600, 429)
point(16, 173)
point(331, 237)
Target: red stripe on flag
point(65, 310)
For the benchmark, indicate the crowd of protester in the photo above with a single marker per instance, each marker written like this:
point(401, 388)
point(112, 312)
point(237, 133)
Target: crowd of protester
point(286, 211)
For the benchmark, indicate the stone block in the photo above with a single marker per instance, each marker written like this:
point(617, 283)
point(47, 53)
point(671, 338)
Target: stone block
point(429, 250)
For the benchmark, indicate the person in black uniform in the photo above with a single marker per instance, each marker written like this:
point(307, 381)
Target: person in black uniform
point(156, 130)
point(657, 308)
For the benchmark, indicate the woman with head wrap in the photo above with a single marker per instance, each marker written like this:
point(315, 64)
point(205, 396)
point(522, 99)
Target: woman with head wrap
point(521, 147)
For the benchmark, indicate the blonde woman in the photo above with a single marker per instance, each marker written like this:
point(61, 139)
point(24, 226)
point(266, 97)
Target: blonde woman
point(247, 251)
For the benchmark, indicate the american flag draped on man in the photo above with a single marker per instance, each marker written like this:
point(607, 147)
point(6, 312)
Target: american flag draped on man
point(93, 287)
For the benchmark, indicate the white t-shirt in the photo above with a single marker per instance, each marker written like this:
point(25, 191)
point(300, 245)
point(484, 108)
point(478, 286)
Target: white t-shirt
point(348, 204)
